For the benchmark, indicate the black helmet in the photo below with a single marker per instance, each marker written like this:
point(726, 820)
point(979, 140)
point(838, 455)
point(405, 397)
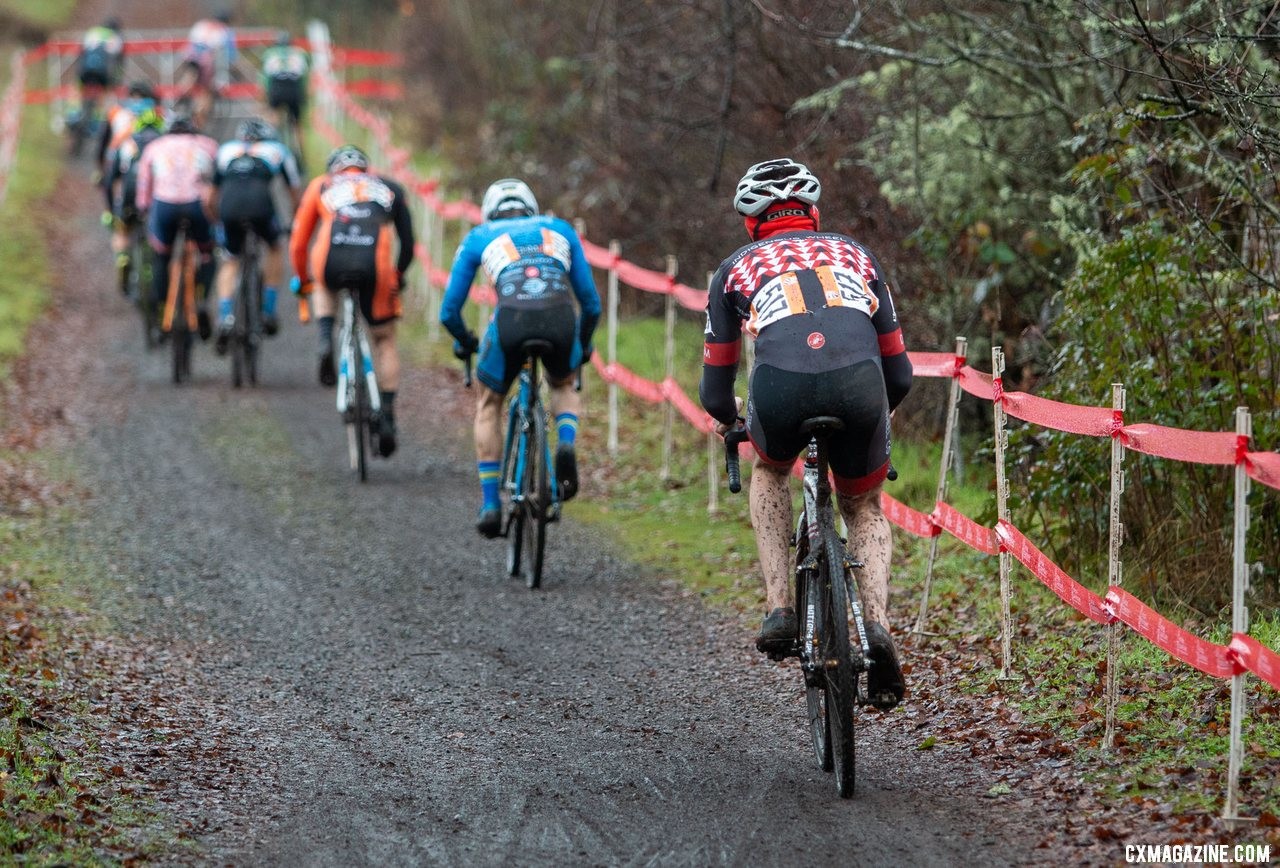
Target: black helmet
point(181, 122)
point(112, 23)
point(142, 89)
point(255, 130)
point(224, 15)
point(347, 157)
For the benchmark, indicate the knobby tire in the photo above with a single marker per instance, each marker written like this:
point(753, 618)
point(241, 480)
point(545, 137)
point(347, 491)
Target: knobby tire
point(537, 498)
point(360, 409)
point(810, 597)
point(841, 680)
point(515, 526)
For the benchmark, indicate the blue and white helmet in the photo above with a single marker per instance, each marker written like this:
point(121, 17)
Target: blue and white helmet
point(509, 194)
point(775, 181)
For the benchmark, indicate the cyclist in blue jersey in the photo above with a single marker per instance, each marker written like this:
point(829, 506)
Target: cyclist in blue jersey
point(537, 267)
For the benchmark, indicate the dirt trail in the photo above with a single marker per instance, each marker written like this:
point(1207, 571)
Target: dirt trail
point(369, 689)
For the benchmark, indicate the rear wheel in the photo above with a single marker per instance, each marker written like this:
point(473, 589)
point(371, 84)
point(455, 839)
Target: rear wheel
point(140, 281)
point(813, 605)
point(253, 323)
point(841, 680)
point(359, 414)
point(537, 498)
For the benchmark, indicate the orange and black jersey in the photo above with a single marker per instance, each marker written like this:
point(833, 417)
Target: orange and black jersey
point(354, 216)
point(813, 302)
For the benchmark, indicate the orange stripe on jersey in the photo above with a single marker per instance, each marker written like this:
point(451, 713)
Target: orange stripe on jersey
point(509, 249)
point(892, 343)
point(791, 289)
point(830, 289)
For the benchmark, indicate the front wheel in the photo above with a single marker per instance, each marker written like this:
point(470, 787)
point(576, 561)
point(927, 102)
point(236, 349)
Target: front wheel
point(841, 679)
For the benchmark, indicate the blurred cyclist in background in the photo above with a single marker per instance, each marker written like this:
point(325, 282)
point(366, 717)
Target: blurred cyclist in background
point(242, 177)
point(120, 184)
point(284, 83)
point(174, 176)
point(206, 64)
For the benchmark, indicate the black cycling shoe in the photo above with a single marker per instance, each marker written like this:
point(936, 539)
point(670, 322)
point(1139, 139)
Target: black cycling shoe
point(778, 632)
point(328, 374)
point(386, 434)
point(203, 324)
point(225, 328)
point(567, 470)
point(490, 522)
point(884, 678)
point(270, 324)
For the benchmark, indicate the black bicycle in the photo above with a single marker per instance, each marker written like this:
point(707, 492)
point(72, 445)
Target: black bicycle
point(244, 344)
point(826, 595)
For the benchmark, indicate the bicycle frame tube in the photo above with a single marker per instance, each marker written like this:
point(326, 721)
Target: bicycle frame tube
point(355, 355)
point(817, 502)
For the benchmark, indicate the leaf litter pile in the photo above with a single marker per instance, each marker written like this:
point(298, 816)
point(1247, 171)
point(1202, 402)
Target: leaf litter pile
point(1046, 752)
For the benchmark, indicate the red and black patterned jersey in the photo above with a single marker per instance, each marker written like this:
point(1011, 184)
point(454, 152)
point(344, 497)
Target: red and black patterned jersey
point(812, 301)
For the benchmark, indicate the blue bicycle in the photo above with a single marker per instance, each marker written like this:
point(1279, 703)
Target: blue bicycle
point(531, 491)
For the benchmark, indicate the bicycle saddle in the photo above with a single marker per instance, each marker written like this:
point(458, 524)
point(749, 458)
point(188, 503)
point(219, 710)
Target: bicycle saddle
point(821, 425)
point(536, 347)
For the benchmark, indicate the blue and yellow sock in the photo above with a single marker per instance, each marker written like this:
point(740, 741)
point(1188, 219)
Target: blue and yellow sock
point(489, 483)
point(269, 295)
point(567, 427)
point(225, 307)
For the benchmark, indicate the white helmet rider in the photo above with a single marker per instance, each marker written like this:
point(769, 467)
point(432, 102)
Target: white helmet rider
point(775, 181)
point(508, 195)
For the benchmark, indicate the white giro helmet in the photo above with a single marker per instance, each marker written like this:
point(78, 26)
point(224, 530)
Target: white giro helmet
point(775, 181)
point(509, 194)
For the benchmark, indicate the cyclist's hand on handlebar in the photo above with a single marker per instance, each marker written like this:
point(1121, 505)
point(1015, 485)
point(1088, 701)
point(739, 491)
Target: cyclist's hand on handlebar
point(722, 428)
point(108, 220)
point(466, 346)
point(300, 287)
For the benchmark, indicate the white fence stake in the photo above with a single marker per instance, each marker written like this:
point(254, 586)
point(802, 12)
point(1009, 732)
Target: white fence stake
point(1114, 572)
point(948, 444)
point(1239, 617)
point(1002, 511)
point(669, 350)
point(615, 250)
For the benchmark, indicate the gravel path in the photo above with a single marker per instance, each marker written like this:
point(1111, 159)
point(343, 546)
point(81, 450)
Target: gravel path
point(372, 690)
point(378, 693)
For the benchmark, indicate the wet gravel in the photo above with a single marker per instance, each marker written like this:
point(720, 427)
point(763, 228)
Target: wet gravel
point(369, 688)
point(375, 691)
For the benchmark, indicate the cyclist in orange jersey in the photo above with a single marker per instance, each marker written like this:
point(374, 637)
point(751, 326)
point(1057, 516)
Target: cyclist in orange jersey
point(353, 214)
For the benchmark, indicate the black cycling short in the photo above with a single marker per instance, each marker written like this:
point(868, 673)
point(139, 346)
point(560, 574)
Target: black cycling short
point(779, 401)
point(500, 357)
point(94, 78)
point(286, 93)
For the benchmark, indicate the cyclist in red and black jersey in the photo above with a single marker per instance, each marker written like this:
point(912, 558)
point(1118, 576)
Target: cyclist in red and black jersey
point(827, 343)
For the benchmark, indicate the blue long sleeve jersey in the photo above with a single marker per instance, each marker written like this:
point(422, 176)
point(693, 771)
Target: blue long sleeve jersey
point(533, 262)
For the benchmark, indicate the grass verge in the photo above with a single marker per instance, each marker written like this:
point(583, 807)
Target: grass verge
point(44, 14)
point(62, 801)
point(24, 289)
